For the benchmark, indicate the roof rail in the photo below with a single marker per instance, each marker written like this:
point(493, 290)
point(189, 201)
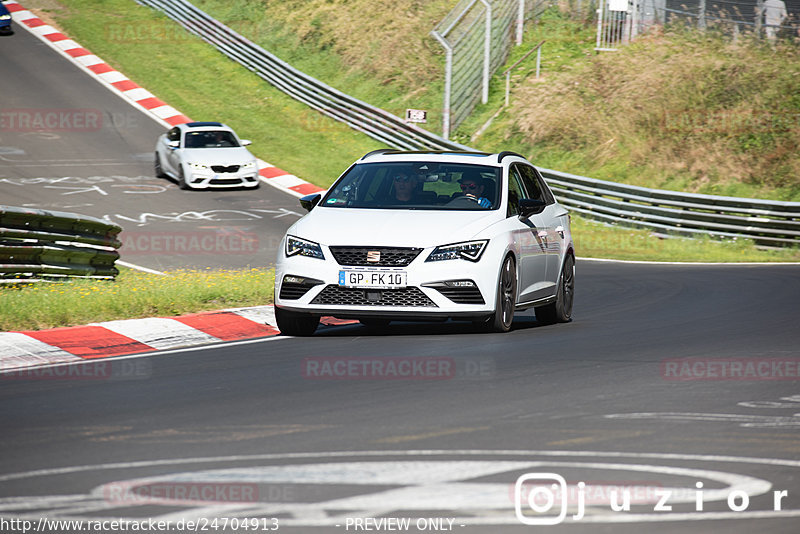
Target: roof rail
point(424, 152)
point(503, 154)
point(198, 124)
point(376, 152)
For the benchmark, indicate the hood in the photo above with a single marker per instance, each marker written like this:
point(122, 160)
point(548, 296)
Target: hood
point(386, 227)
point(217, 156)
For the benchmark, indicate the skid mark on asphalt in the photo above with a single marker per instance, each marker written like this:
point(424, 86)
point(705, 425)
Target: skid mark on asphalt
point(428, 435)
point(744, 420)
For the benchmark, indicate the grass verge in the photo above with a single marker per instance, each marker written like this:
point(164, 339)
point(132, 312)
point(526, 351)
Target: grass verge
point(597, 240)
point(676, 109)
point(134, 294)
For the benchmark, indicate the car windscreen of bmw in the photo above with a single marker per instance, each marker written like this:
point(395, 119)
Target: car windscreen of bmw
point(210, 139)
point(417, 185)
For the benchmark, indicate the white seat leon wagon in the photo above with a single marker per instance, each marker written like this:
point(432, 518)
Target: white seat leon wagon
point(405, 235)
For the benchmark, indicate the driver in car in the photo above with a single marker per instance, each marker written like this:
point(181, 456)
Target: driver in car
point(405, 187)
point(473, 188)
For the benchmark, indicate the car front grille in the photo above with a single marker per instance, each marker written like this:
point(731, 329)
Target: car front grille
point(334, 295)
point(225, 181)
point(462, 295)
point(225, 168)
point(386, 256)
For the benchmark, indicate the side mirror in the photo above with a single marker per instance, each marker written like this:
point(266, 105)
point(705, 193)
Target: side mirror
point(529, 206)
point(174, 144)
point(309, 201)
point(246, 142)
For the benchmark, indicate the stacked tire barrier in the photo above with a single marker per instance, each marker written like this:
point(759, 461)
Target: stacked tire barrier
point(37, 244)
point(767, 222)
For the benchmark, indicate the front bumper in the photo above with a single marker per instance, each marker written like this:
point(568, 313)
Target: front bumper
point(434, 290)
point(208, 179)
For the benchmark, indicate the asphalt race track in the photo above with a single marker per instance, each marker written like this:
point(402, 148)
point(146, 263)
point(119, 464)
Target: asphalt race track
point(677, 384)
point(497, 405)
point(97, 159)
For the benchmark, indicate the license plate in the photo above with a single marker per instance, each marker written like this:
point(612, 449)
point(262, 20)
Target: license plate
point(373, 279)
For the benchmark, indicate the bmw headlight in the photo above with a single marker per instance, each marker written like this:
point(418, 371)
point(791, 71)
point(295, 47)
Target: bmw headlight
point(197, 166)
point(249, 165)
point(295, 245)
point(5, 17)
point(467, 250)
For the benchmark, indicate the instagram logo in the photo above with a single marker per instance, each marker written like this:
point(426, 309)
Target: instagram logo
point(540, 491)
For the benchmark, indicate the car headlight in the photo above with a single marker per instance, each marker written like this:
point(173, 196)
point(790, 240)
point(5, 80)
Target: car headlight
point(197, 166)
point(467, 250)
point(295, 245)
point(5, 17)
point(249, 165)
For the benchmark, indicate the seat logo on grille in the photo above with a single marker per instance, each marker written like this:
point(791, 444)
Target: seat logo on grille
point(374, 256)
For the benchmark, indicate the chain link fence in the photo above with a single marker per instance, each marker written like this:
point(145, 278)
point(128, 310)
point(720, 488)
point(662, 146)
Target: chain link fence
point(477, 36)
point(619, 21)
point(771, 19)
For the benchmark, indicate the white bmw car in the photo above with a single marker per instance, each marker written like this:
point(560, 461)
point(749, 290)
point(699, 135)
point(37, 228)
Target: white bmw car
point(205, 155)
point(428, 235)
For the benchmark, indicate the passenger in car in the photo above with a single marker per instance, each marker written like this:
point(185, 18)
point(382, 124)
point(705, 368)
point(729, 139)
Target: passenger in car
point(473, 187)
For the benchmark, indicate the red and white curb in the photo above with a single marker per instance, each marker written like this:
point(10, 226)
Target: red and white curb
point(20, 350)
point(137, 96)
point(36, 348)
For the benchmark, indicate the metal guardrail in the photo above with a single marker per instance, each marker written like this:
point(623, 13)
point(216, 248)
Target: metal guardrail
point(55, 244)
point(767, 222)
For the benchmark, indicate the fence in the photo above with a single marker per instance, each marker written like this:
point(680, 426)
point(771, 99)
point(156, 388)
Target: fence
point(476, 36)
point(619, 21)
point(768, 222)
point(734, 16)
point(54, 244)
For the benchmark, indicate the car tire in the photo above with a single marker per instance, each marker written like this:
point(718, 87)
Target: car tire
point(505, 301)
point(560, 311)
point(159, 171)
point(295, 324)
point(182, 180)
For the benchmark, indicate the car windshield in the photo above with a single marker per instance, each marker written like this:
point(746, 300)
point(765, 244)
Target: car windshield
point(416, 185)
point(210, 139)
